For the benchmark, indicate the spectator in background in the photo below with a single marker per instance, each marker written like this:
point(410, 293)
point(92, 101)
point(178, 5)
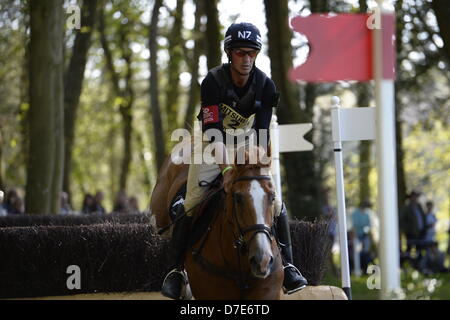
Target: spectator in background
point(88, 202)
point(2, 208)
point(448, 244)
point(134, 206)
point(65, 206)
point(13, 202)
point(362, 228)
point(414, 225)
point(98, 206)
point(430, 223)
point(121, 204)
point(17, 207)
point(361, 223)
point(10, 200)
point(434, 260)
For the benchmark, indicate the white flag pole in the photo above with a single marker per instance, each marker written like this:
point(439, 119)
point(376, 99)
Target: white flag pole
point(386, 162)
point(340, 195)
point(275, 152)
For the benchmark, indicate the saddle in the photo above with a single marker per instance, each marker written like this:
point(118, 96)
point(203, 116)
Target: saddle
point(202, 218)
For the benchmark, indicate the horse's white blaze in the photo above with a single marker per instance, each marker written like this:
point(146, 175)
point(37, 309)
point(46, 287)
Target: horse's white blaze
point(257, 193)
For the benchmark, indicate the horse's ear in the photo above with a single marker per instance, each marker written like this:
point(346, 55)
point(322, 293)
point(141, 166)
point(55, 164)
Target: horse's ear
point(238, 155)
point(264, 155)
point(269, 149)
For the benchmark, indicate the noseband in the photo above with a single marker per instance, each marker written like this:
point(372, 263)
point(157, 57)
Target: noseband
point(240, 243)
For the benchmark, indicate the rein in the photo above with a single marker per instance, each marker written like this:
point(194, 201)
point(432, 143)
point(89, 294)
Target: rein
point(163, 229)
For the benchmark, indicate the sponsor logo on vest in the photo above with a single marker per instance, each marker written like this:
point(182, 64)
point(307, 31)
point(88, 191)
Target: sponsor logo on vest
point(197, 149)
point(210, 114)
point(233, 119)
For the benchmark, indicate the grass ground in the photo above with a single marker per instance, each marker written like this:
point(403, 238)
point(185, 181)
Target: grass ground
point(415, 286)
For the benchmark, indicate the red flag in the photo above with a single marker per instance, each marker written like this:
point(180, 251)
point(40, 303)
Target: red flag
point(341, 47)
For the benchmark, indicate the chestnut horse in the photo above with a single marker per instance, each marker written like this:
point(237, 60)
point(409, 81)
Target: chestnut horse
point(237, 256)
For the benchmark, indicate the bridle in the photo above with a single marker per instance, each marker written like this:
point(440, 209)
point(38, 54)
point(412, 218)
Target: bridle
point(240, 242)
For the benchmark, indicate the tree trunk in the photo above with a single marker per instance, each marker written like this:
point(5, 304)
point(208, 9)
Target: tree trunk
point(363, 6)
point(2, 184)
point(365, 164)
point(365, 167)
point(24, 106)
point(401, 181)
point(114, 165)
point(155, 110)
point(194, 89)
point(319, 6)
point(213, 49)
point(173, 69)
point(46, 107)
point(145, 170)
point(300, 178)
point(310, 159)
point(442, 11)
point(312, 198)
point(58, 170)
point(73, 81)
point(126, 95)
point(108, 55)
point(400, 154)
point(126, 109)
point(127, 131)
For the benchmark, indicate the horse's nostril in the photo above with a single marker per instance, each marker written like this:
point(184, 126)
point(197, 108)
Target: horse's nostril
point(261, 265)
point(253, 261)
point(258, 261)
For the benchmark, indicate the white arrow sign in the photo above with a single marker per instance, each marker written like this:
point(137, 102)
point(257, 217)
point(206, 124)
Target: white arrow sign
point(291, 137)
point(286, 138)
point(353, 124)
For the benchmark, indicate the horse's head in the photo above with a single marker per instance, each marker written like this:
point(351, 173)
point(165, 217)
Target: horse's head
point(251, 212)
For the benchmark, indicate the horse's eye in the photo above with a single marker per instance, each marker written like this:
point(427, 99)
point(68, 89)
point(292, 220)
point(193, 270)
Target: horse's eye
point(271, 197)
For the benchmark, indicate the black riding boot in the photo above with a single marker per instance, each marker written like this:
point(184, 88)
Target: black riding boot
point(293, 279)
point(175, 280)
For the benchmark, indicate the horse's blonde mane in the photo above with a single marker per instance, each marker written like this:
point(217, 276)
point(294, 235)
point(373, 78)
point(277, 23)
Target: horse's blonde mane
point(249, 162)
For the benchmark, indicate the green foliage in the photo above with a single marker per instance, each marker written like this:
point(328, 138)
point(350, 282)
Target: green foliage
point(423, 92)
point(417, 286)
point(427, 164)
point(12, 91)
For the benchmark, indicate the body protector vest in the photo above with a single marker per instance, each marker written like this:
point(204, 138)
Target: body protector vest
point(238, 113)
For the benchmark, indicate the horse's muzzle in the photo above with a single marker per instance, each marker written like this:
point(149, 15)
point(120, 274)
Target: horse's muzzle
point(261, 260)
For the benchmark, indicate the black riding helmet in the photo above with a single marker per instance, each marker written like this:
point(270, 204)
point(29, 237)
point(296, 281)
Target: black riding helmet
point(242, 34)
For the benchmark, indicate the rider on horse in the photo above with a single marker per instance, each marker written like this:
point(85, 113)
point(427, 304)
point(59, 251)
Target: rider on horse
point(235, 95)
